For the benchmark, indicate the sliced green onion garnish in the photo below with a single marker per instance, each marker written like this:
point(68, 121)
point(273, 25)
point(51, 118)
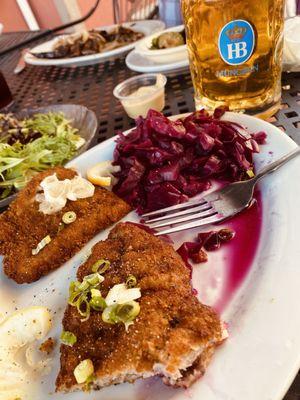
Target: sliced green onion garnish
point(89, 382)
point(41, 245)
point(83, 307)
point(97, 303)
point(93, 279)
point(131, 281)
point(73, 298)
point(100, 266)
point(95, 293)
point(69, 217)
point(83, 371)
point(125, 313)
point(84, 285)
point(86, 295)
point(128, 311)
point(71, 288)
point(68, 338)
point(77, 286)
point(109, 315)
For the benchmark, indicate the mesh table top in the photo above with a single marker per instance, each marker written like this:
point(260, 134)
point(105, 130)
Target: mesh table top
point(92, 86)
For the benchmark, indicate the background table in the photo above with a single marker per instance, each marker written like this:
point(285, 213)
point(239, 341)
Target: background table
point(92, 86)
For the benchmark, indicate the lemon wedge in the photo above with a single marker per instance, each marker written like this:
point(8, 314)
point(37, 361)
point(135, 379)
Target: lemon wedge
point(101, 174)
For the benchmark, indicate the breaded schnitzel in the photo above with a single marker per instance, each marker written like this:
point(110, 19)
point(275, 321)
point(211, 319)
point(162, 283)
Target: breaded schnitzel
point(173, 336)
point(23, 226)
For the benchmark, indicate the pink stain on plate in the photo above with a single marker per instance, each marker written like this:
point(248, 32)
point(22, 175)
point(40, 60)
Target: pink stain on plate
point(241, 250)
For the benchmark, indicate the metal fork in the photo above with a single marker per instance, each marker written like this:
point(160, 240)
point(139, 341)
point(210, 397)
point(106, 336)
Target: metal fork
point(214, 207)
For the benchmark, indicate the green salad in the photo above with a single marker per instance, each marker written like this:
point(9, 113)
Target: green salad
point(32, 145)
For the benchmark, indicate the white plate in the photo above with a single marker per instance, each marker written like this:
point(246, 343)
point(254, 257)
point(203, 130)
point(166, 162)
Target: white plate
point(262, 354)
point(137, 62)
point(291, 45)
point(145, 26)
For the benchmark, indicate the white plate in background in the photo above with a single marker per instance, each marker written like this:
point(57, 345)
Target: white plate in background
point(145, 26)
point(291, 45)
point(262, 355)
point(162, 56)
point(137, 62)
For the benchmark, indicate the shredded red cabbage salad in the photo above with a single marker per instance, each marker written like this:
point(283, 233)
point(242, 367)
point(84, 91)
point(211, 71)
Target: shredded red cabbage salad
point(205, 241)
point(164, 162)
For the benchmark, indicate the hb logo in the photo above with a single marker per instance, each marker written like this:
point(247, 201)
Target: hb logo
point(236, 42)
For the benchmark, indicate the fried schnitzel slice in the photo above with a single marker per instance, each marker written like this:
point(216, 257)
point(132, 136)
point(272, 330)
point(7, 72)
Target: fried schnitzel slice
point(23, 226)
point(173, 336)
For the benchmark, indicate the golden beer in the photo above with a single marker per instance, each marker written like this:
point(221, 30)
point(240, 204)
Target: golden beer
point(235, 51)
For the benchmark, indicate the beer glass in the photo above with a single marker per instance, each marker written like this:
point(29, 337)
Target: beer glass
point(235, 51)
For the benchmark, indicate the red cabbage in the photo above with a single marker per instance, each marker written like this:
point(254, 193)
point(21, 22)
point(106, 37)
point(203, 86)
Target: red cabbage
point(205, 241)
point(164, 162)
point(161, 195)
point(260, 137)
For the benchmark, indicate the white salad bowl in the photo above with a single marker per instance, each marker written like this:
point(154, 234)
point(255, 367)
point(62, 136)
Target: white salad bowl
point(83, 119)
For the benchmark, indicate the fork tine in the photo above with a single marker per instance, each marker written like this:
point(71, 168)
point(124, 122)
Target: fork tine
point(189, 225)
point(171, 221)
point(187, 204)
point(204, 207)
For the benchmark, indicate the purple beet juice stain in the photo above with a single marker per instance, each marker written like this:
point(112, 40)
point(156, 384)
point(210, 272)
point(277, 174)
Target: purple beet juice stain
point(241, 250)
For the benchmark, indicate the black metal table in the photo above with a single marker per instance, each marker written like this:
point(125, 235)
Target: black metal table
point(92, 86)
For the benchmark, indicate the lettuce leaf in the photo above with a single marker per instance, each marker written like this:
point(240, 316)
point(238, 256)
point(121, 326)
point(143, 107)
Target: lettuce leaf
point(57, 145)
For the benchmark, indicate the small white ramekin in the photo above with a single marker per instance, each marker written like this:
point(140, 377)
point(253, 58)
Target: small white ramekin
point(140, 105)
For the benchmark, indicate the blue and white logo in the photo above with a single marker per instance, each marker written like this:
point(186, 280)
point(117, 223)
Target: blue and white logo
point(236, 42)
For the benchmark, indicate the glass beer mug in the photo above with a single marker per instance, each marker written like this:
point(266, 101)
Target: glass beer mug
point(235, 51)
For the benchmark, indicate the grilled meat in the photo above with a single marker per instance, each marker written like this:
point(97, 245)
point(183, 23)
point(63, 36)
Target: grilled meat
point(91, 42)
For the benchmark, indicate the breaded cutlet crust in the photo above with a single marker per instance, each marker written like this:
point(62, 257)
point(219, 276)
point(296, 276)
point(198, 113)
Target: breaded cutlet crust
point(23, 226)
point(172, 327)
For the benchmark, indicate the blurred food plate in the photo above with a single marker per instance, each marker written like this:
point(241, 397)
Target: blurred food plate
point(173, 42)
point(82, 119)
point(137, 62)
point(291, 48)
point(147, 27)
